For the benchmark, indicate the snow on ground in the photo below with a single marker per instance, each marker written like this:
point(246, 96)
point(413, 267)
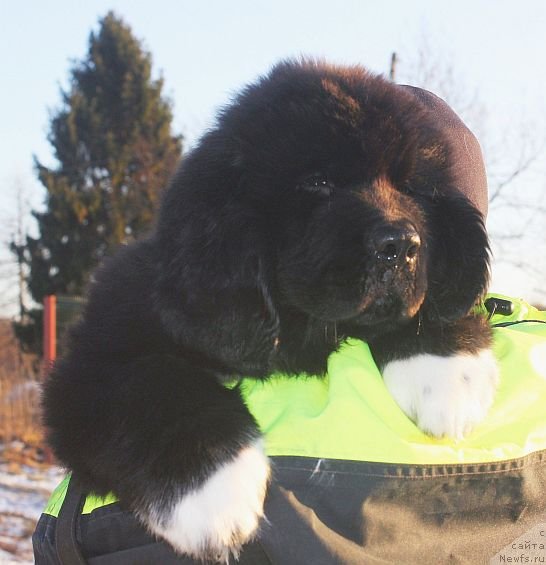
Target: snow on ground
point(24, 491)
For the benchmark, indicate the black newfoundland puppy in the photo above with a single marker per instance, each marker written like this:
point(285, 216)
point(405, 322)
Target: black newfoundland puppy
point(326, 203)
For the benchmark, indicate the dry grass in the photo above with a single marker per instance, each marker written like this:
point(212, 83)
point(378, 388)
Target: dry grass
point(19, 391)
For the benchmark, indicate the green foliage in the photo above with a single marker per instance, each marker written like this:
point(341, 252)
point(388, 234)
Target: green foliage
point(115, 150)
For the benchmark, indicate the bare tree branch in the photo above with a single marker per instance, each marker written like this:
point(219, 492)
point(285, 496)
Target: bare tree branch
point(527, 158)
point(516, 163)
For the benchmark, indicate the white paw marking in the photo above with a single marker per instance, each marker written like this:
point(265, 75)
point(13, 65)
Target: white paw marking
point(444, 395)
point(215, 520)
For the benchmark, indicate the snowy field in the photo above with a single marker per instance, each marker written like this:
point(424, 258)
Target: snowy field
point(24, 491)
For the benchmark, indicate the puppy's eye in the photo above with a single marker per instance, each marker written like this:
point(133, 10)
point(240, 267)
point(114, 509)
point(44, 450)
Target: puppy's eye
point(407, 188)
point(318, 183)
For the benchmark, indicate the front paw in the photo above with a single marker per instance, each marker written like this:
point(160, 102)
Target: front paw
point(444, 395)
point(215, 520)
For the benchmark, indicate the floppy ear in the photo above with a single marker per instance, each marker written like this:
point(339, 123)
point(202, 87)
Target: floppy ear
point(213, 289)
point(459, 259)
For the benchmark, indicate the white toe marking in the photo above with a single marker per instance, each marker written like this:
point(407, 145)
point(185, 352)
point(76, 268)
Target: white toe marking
point(444, 395)
point(216, 519)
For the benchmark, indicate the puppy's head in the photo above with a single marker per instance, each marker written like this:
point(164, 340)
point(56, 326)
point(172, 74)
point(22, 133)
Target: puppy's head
point(322, 191)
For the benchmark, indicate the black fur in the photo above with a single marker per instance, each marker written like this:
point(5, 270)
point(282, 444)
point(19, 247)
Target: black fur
point(264, 258)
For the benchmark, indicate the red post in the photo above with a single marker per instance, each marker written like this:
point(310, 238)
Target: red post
point(50, 351)
point(50, 331)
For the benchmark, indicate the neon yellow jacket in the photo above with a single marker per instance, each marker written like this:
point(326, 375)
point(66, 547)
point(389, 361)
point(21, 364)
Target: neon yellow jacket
point(319, 418)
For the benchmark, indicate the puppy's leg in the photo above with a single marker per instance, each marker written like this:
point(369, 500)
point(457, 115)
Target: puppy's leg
point(216, 518)
point(443, 377)
point(444, 395)
point(179, 449)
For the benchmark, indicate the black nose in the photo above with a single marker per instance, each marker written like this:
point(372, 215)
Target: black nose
point(396, 246)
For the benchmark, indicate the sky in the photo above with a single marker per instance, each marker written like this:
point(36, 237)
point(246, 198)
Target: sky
point(206, 50)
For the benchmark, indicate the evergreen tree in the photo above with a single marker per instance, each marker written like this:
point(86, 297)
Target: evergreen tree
point(115, 149)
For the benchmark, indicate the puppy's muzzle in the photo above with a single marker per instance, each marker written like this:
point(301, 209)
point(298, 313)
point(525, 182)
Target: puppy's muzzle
point(396, 246)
